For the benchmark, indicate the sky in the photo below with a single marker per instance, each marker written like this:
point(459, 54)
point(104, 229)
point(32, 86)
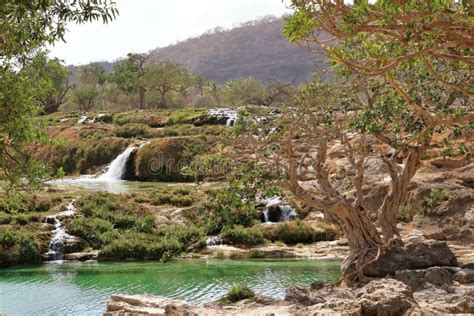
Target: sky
point(147, 24)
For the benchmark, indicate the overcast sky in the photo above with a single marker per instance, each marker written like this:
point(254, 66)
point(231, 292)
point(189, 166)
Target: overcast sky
point(147, 24)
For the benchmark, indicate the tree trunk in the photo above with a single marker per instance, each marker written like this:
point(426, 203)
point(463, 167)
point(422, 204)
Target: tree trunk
point(362, 235)
point(388, 212)
point(163, 99)
point(141, 93)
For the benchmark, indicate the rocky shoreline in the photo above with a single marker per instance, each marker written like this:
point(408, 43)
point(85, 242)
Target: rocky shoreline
point(422, 278)
point(433, 291)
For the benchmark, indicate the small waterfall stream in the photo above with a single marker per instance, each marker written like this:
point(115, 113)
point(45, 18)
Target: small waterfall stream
point(60, 238)
point(116, 170)
point(286, 212)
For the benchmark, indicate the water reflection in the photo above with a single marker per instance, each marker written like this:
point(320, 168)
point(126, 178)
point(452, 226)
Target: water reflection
point(84, 288)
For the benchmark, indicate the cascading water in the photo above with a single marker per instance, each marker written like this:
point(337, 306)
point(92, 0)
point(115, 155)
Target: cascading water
point(231, 115)
point(214, 241)
point(60, 238)
point(116, 170)
point(285, 212)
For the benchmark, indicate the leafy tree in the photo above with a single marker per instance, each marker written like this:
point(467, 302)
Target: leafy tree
point(244, 91)
point(89, 83)
point(408, 68)
point(54, 76)
point(26, 27)
point(165, 77)
point(130, 76)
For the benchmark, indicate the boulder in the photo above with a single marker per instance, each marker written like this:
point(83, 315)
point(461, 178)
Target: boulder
point(450, 163)
point(161, 160)
point(302, 296)
point(419, 279)
point(424, 255)
point(379, 297)
point(465, 276)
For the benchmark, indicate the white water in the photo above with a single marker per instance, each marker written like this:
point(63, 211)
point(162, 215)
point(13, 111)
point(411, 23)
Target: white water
point(116, 170)
point(214, 241)
point(60, 237)
point(231, 115)
point(287, 213)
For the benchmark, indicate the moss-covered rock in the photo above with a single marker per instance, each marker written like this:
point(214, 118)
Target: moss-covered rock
point(161, 160)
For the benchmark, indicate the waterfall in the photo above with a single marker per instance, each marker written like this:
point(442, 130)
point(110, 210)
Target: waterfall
point(116, 170)
point(214, 241)
point(285, 212)
point(231, 115)
point(60, 238)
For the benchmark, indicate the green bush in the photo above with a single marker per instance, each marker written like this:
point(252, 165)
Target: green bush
point(7, 239)
point(239, 293)
point(125, 248)
point(91, 230)
point(240, 235)
point(131, 131)
point(295, 232)
point(21, 219)
point(5, 219)
point(28, 249)
point(180, 198)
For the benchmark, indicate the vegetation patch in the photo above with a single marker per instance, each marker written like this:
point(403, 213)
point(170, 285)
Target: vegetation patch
point(238, 293)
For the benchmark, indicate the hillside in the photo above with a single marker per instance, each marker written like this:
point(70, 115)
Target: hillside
point(257, 49)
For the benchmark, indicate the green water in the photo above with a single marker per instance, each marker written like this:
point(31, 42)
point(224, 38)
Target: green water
point(90, 184)
point(84, 288)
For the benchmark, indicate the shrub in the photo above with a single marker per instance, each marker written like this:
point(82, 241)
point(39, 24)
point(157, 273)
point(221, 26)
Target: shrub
point(124, 249)
point(91, 230)
point(131, 131)
point(433, 199)
point(179, 197)
point(28, 249)
point(240, 235)
point(21, 219)
point(164, 249)
point(239, 293)
point(5, 219)
point(7, 239)
point(297, 232)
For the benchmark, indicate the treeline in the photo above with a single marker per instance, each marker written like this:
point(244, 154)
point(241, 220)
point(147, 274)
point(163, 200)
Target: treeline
point(140, 83)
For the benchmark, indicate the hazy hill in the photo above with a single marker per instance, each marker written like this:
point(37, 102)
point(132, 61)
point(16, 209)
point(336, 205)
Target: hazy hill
point(255, 48)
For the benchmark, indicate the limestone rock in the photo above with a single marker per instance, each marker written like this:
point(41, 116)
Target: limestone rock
point(412, 256)
point(464, 276)
point(303, 296)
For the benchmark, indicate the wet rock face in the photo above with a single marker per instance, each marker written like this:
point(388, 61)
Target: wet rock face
point(412, 256)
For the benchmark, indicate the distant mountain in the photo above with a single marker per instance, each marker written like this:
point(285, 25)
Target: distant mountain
point(257, 49)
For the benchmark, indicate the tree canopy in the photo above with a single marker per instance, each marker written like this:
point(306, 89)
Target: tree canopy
point(25, 27)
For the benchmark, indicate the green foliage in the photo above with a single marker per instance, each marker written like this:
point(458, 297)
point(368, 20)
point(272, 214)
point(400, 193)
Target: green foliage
point(243, 91)
point(7, 239)
point(240, 235)
point(131, 131)
point(234, 204)
point(433, 199)
point(298, 232)
point(238, 293)
point(28, 249)
point(93, 230)
point(180, 197)
point(130, 76)
point(165, 77)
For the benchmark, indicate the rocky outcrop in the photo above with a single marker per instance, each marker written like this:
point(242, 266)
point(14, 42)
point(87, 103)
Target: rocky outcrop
point(121, 305)
point(412, 256)
point(160, 160)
